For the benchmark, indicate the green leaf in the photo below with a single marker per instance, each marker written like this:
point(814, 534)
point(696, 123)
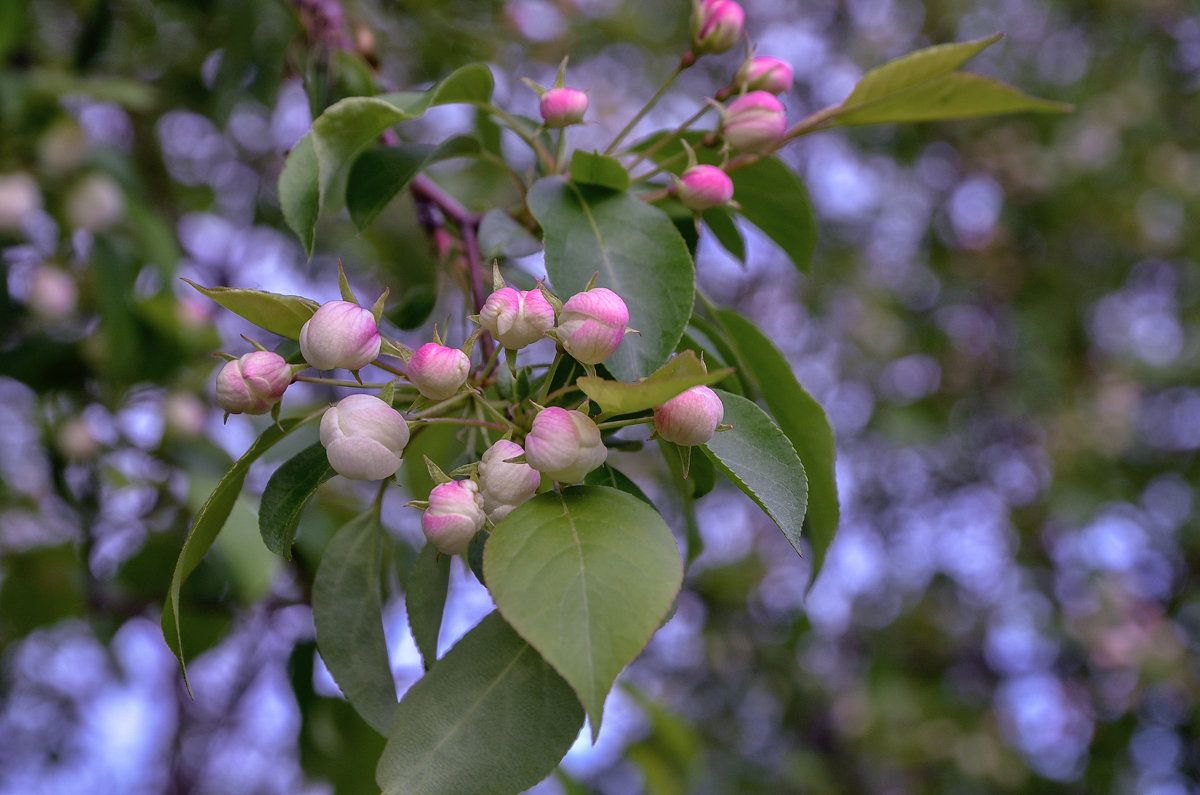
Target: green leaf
point(681, 373)
point(639, 255)
point(913, 69)
point(608, 475)
point(593, 168)
point(287, 492)
point(800, 417)
point(501, 236)
point(761, 461)
point(721, 224)
point(299, 197)
point(349, 126)
point(957, 95)
point(279, 314)
point(207, 525)
point(586, 576)
point(348, 614)
point(425, 599)
point(774, 199)
point(491, 717)
point(378, 175)
point(381, 173)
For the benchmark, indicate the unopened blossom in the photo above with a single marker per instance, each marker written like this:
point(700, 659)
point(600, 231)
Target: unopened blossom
point(689, 418)
point(504, 486)
point(704, 187)
point(516, 318)
point(754, 122)
point(564, 445)
point(438, 371)
point(561, 107)
point(364, 437)
point(95, 203)
point(19, 196)
point(340, 335)
point(716, 26)
point(52, 293)
point(764, 73)
point(254, 383)
point(454, 516)
point(592, 324)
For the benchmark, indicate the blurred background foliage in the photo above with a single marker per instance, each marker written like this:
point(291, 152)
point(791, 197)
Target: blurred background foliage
point(1002, 321)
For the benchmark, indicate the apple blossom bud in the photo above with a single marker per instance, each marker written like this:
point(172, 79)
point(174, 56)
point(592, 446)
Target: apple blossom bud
point(592, 324)
point(764, 73)
point(689, 418)
point(516, 318)
point(340, 334)
point(184, 414)
point(52, 293)
point(95, 203)
point(19, 196)
point(454, 516)
point(254, 383)
point(752, 123)
point(504, 486)
point(565, 445)
point(438, 371)
point(563, 106)
point(75, 441)
point(363, 437)
point(716, 26)
point(703, 187)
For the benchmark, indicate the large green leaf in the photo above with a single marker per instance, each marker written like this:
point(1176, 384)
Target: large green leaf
point(592, 168)
point(349, 126)
point(957, 95)
point(774, 199)
point(608, 475)
point(681, 373)
point(207, 525)
point(800, 417)
point(638, 254)
point(299, 196)
point(286, 493)
point(380, 173)
point(425, 600)
point(761, 461)
point(914, 69)
point(348, 614)
point(586, 576)
point(491, 718)
point(279, 314)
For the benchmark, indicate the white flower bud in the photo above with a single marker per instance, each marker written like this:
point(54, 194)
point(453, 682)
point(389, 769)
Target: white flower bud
point(565, 445)
point(505, 486)
point(340, 334)
point(363, 437)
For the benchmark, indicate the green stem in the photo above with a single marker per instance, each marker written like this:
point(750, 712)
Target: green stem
point(488, 365)
point(671, 136)
point(623, 423)
point(550, 377)
point(459, 421)
point(440, 407)
point(645, 109)
point(518, 128)
point(312, 379)
point(493, 411)
point(560, 148)
point(663, 166)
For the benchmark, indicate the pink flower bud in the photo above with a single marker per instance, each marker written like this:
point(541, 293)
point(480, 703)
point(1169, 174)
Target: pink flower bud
point(516, 318)
point(702, 187)
point(592, 324)
point(52, 293)
point(437, 371)
point(754, 122)
point(340, 334)
point(254, 383)
point(565, 445)
point(454, 516)
point(689, 418)
point(505, 486)
point(764, 74)
point(363, 437)
point(716, 26)
point(563, 106)
point(19, 196)
point(96, 203)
